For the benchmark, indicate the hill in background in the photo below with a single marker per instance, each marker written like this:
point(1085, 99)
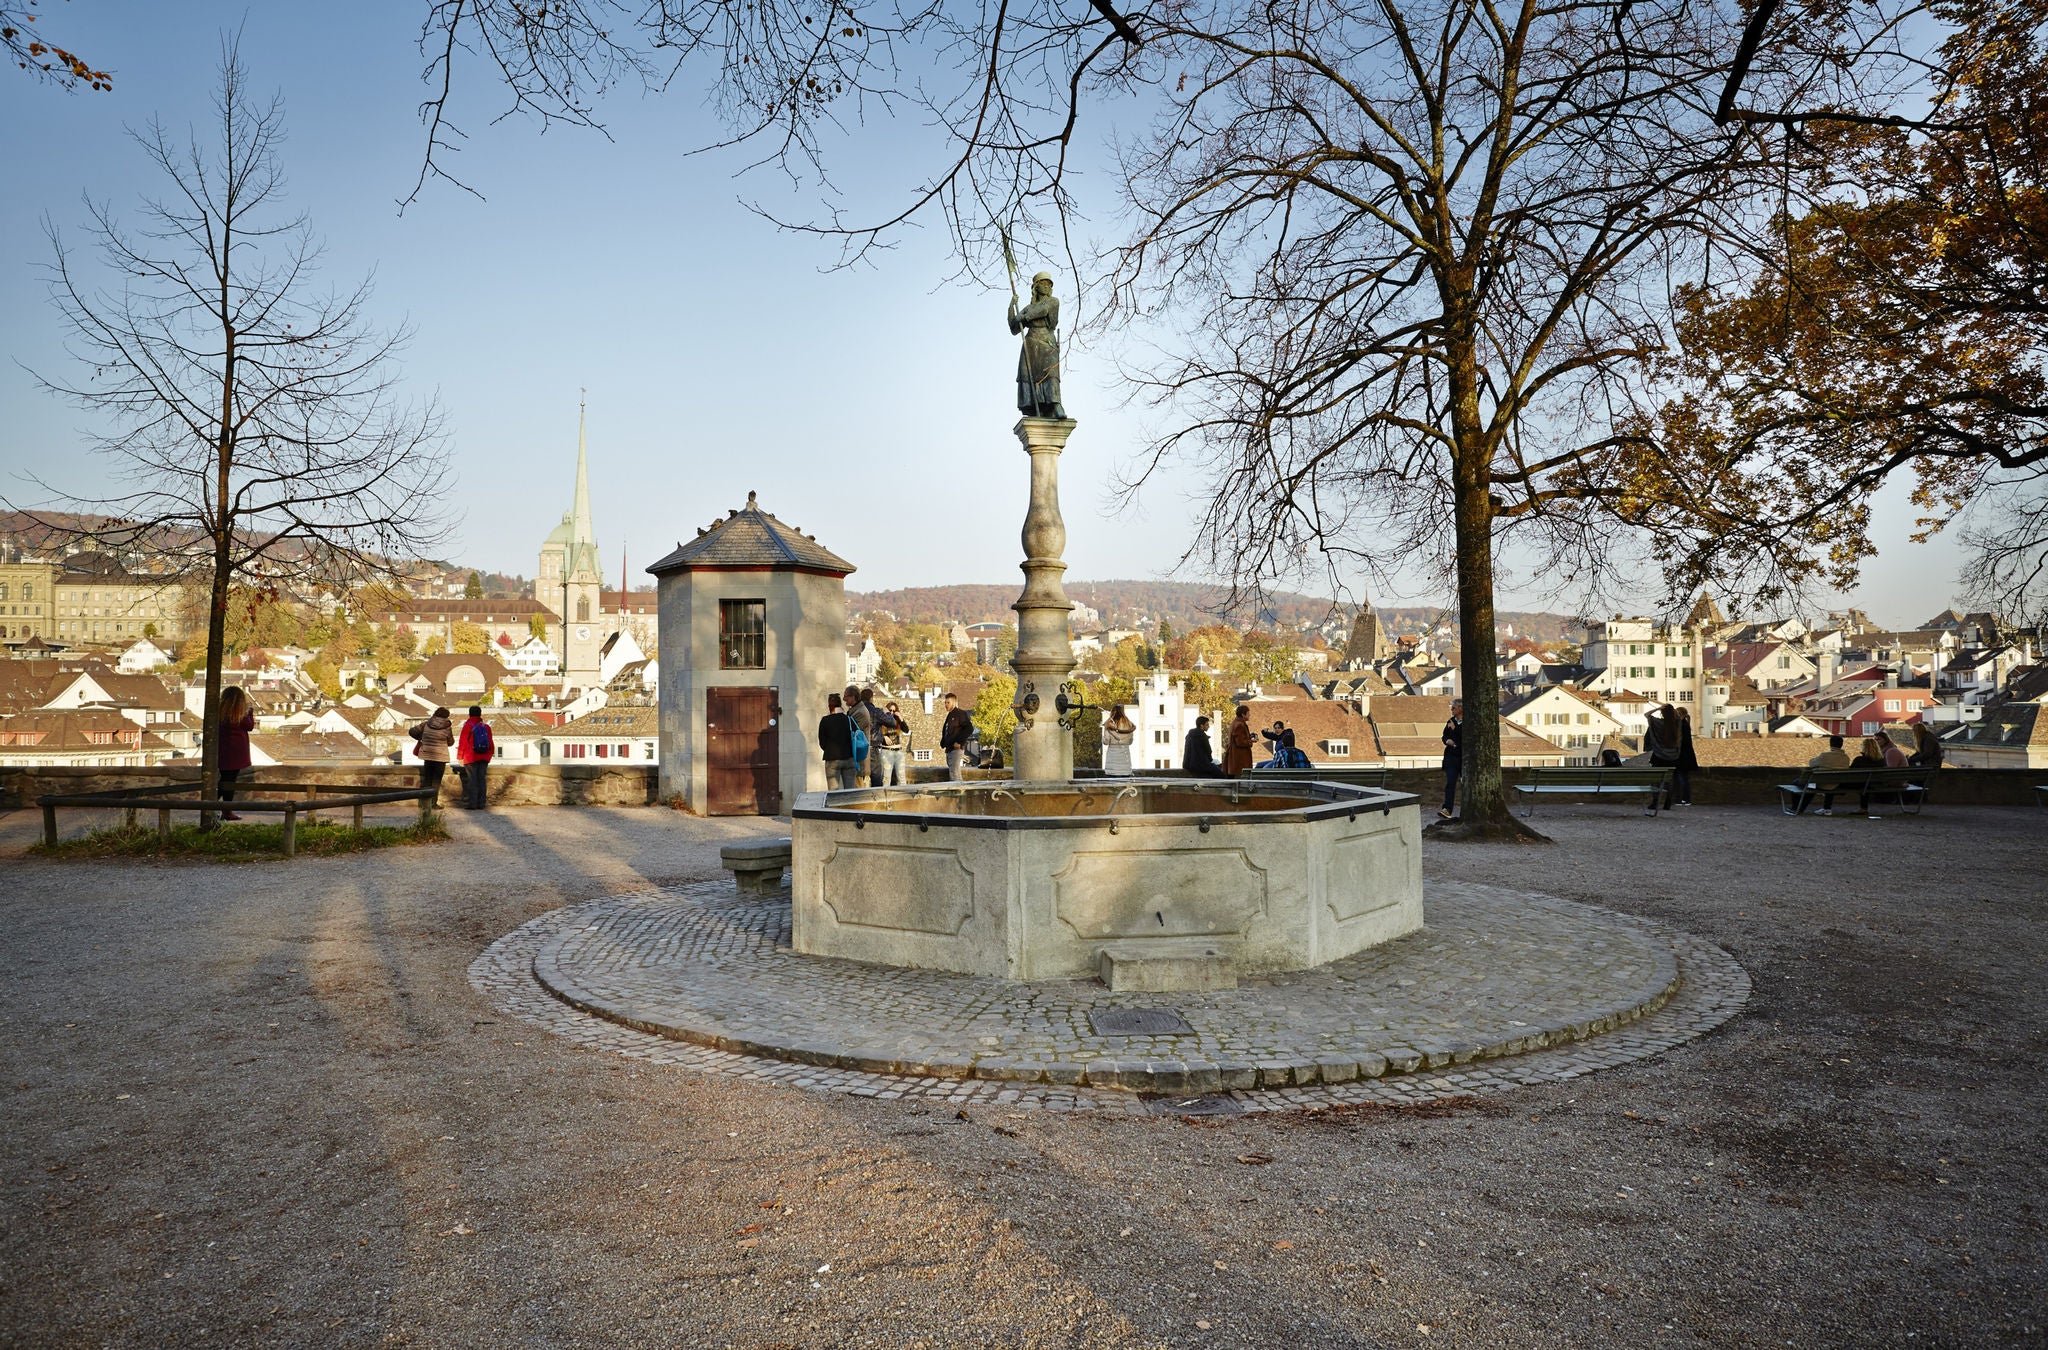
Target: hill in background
point(1184, 604)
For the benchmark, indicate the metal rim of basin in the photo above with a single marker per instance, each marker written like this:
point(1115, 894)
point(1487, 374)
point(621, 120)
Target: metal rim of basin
point(1319, 801)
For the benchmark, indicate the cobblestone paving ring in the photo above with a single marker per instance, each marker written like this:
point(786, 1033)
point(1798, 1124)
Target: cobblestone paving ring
point(1502, 988)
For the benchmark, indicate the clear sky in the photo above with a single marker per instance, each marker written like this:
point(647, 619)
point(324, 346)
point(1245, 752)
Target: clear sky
point(871, 408)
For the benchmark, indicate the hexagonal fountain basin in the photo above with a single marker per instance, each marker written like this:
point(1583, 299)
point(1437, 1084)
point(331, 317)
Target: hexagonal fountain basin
point(1150, 883)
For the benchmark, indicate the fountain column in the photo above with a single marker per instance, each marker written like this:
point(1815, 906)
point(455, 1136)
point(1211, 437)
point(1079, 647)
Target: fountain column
point(1045, 650)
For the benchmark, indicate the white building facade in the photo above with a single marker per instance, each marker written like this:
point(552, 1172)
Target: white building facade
point(1164, 717)
point(1662, 661)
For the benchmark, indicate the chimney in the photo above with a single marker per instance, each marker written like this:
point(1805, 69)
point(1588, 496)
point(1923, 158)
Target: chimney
point(1891, 679)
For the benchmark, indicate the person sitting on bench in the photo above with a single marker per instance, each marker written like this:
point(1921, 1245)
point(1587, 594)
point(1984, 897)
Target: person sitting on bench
point(1828, 759)
point(1869, 756)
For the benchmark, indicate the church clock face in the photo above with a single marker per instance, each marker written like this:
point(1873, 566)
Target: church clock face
point(583, 635)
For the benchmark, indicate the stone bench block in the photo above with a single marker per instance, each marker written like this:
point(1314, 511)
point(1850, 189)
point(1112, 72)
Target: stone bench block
point(756, 865)
point(1162, 967)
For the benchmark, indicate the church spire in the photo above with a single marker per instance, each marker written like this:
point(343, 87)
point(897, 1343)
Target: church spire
point(582, 553)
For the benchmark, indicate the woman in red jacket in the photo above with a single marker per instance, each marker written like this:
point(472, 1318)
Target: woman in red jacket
point(237, 720)
point(474, 749)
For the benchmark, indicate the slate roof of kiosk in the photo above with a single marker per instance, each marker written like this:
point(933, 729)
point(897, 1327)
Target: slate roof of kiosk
point(751, 538)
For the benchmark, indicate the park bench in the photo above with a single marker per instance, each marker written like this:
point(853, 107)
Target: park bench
point(162, 800)
point(1907, 787)
point(1350, 775)
point(1597, 781)
point(756, 865)
point(2041, 795)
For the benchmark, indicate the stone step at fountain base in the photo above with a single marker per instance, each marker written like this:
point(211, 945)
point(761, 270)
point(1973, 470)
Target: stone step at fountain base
point(1156, 966)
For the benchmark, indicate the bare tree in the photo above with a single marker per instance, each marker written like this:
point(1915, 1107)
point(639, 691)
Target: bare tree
point(254, 419)
point(2007, 534)
point(1420, 259)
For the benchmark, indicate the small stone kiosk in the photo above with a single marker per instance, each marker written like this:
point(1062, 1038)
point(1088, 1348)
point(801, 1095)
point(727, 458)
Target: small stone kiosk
point(752, 618)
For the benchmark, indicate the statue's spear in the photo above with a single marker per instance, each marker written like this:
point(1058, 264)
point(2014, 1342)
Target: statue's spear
point(1009, 261)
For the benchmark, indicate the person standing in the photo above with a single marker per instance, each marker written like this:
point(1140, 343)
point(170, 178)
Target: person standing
point(877, 727)
point(863, 717)
point(835, 743)
point(890, 743)
point(475, 750)
point(1688, 758)
point(237, 721)
point(436, 739)
point(1238, 742)
point(1117, 734)
point(954, 732)
point(1454, 759)
point(1197, 756)
point(1662, 737)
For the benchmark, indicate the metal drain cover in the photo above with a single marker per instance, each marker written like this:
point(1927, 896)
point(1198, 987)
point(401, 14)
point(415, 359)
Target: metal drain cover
point(1138, 1022)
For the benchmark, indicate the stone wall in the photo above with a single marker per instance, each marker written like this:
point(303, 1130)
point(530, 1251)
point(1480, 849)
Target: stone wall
point(634, 784)
point(510, 784)
point(1754, 786)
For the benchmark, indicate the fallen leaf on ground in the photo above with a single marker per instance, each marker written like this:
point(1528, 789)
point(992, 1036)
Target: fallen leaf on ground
point(1200, 1325)
point(1255, 1159)
point(1283, 1246)
point(750, 1242)
point(459, 1230)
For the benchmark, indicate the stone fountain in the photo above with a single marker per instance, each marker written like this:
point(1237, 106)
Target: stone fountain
point(1147, 884)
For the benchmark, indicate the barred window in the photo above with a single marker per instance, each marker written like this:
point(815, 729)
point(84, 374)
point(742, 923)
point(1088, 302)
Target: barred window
point(743, 634)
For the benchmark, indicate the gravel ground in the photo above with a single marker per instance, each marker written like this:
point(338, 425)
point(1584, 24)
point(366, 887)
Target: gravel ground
point(259, 1104)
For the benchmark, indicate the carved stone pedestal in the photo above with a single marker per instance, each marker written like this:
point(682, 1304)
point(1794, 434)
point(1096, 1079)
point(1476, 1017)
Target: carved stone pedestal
point(1045, 652)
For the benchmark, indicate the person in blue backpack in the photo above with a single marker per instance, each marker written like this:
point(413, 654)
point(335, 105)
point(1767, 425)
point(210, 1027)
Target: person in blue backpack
point(475, 750)
point(1285, 753)
point(1289, 756)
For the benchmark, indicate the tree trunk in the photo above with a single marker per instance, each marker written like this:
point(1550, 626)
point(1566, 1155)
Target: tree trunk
point(223, 560)
point(1482, 795)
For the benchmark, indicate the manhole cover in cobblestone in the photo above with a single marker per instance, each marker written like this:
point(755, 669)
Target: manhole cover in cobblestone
point(1138, 1022)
